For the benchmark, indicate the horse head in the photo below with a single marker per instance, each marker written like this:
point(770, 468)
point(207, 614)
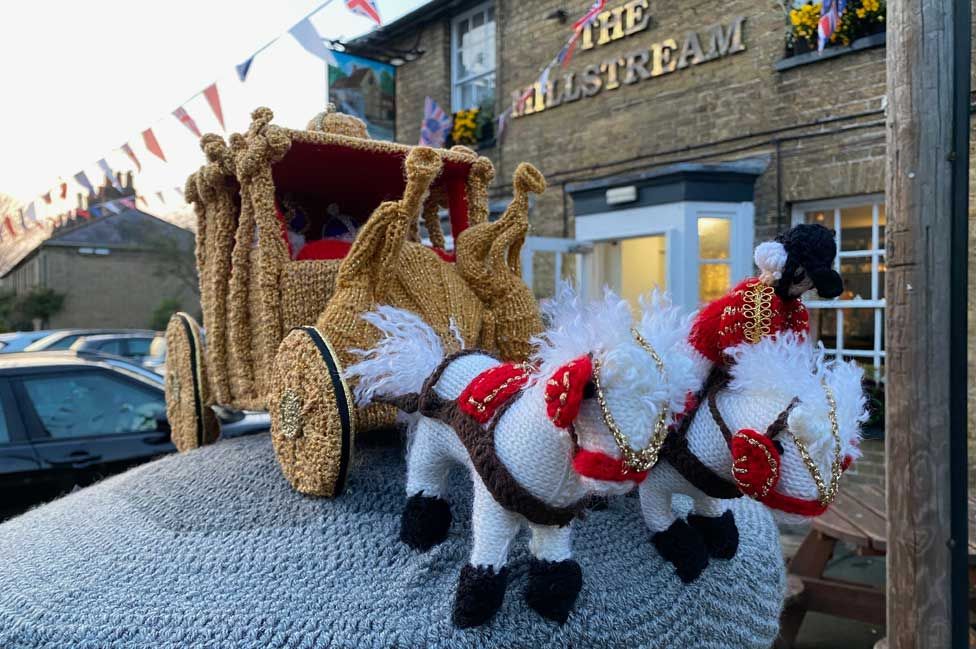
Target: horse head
point(796, 426)
point(612, 380)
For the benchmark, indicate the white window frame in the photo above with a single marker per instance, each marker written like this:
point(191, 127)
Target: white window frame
point(455, 79)
point(876, 354)
point(679, 223)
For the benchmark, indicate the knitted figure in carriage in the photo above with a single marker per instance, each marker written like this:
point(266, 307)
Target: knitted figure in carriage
point(773, 420)
point(582, 418)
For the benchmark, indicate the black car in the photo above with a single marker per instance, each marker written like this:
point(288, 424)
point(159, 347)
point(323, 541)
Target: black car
point(68, 419)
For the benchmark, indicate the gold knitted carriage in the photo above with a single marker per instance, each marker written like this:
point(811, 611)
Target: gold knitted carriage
point(302, 231)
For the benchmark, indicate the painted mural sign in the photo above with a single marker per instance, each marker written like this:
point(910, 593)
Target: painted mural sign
point(365, 89)
point(660, 58)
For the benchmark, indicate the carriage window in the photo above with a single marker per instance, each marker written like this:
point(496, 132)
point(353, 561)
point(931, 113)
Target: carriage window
point(853, 325)
point(473, 58)
point(714, 258)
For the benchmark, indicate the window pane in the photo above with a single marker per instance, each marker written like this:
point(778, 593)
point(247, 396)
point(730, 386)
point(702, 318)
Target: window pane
point(713, 281)
point(882, 221)
point(714, 235)
point(473, 94)
point(855, 228)
point(856, 273)
point(111, 347)
point(643, 266)
point(823, 217)
point(4, 432)
point(64, 343)
point(138, 346)
point(82, 404)
point(477, 50)
point(478, 19)
point(881, 279)
point(859, 329)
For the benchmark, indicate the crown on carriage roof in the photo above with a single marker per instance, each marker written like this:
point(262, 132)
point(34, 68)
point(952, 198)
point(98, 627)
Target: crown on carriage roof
point(332, 121)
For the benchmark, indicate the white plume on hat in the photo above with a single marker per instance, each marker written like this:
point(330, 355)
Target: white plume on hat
point(770, 257)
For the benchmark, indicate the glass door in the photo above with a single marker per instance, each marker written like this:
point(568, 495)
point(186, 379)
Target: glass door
point(634, 266)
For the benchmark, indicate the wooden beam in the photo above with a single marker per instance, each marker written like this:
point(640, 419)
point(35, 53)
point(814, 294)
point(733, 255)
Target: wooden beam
point(922, 319)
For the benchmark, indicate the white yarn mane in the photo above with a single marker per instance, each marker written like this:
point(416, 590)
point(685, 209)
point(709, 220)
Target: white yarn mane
point(785, 366)
point(603, 328)
point(406, 354)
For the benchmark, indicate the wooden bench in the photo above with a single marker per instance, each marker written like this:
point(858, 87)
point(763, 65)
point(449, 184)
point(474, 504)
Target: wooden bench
point(858, 518)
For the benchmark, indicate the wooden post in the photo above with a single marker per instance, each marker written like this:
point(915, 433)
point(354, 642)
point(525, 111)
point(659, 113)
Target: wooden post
point(927, 72)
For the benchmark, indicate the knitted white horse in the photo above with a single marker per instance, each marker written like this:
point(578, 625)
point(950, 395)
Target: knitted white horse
point(780, 427)
point(538, 439)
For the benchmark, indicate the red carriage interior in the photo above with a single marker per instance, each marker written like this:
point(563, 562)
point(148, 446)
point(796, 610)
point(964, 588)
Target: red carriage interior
point(356, 181)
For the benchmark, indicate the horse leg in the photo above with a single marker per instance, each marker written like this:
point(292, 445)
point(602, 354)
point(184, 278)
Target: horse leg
point(555, 579)
point(426, 516)
point(481, 586)
point(714, 521)
point(674, 539)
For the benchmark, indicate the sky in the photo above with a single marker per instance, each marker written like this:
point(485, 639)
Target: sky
point(79, 79)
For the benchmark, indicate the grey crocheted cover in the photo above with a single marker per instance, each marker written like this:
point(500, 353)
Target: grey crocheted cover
point(213, 549)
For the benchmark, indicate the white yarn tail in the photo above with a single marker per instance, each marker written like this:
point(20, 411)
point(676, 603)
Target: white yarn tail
point(407, 353)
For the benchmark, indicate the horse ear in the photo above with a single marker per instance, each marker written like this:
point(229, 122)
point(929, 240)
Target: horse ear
point(565, 390)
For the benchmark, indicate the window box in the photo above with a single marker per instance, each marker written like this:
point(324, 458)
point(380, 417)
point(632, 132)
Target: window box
point(812, 56)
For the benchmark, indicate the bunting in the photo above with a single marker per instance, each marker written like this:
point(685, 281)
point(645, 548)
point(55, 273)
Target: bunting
point(64, 190)
point(103, 165)
point(10, 226)
point(30, 213)
point(187, 121)
point(153, 144)
point(308, 37)
point(47, 198)
point(213, 98)
point(127, 150)
point(162, 198)
point(83, 213)
point(366, 9)
point(243, 69)
point(82, 179)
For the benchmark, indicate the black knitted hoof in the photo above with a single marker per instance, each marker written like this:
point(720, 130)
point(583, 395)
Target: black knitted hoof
point(684, 548)
point(479, 594)
point(720, 534)
point(425, 521)
point(553, 587)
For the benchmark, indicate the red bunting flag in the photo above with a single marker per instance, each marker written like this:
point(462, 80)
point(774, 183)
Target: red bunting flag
point(85, 214)
point(127, 150)
point(153, 144)
point(10, 226)
point(187, 121)
point(47, 198)
point(365, 8)
point(210, 92)
point(143, 200)
point(64, 190)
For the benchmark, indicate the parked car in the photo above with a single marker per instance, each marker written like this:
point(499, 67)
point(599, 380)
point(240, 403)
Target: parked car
point(16, 341)
point(65, 338)
point(135, 346)
point(68, 419)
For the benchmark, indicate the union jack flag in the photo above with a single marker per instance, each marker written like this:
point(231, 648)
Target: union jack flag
point(829, 19)
point(365, 8)
point(436, 124)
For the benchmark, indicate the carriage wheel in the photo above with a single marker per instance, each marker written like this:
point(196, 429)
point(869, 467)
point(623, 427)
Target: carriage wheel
point(192, 422)
point(312, 414)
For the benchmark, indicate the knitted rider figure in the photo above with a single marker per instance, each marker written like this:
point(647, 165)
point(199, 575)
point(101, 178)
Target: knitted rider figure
point(796, 261)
